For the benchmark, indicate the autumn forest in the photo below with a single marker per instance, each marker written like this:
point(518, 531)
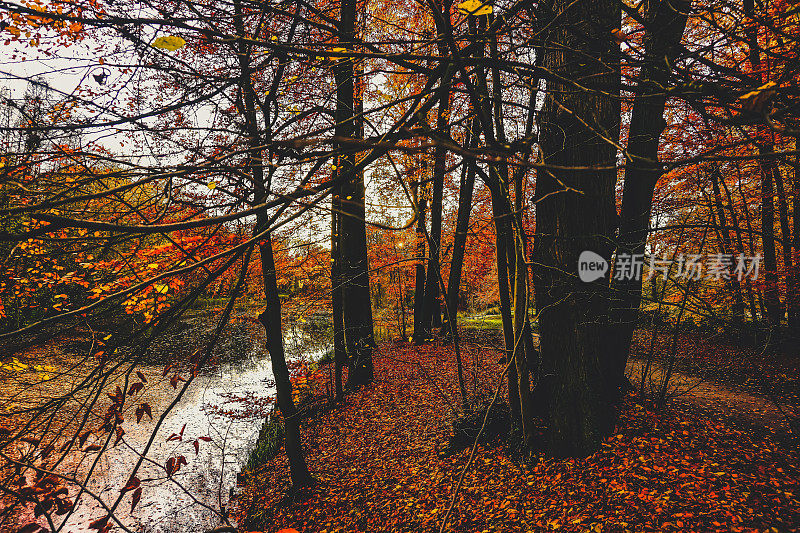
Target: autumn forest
point(325, 266)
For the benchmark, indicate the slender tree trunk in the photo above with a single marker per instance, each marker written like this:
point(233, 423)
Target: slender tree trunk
point(431, 307)
point(466, 189)
point(741, 249)
point(786, 235)
point(771, 295)
point(271, 320)
point(420, 198)
point(766, 164)
point(271, 317)
point(502, 238)
point(578, 129)
point(665, 23)
point(733, 282)
point(356, 302)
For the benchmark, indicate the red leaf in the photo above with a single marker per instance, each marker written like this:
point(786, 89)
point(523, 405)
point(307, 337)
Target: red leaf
point(82, 438)
point(136, 387)
point(196, 444)
point(100, 523)
point(174, 380)
point(166, 370)
point(170, 467)
point(133, 483)
point(120, 433)
point(205, 439)
point(141, 377)
point(92, 448)
point(137, 495)
point(141, 410)
point(30, 528)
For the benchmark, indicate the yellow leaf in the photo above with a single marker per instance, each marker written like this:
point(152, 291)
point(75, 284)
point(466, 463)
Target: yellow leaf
point(161, 288)
point(212, 185)
point(339, 49)
point(474, 7)
point(170, 42)
point(752, 94)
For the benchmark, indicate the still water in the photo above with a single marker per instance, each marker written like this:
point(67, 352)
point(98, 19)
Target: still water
point(226, 404)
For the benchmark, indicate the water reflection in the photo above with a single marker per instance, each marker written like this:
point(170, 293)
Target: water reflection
point(226, 404)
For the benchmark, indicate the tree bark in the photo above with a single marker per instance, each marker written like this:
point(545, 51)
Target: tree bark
point(575, 212)
point(431, 307)
point(420, 199)
point(356, 302)
point(665, 21)
point(271, 317)
point(466, 189)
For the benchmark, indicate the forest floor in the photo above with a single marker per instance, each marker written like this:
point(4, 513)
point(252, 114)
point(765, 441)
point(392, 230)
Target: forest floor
point(383, 464)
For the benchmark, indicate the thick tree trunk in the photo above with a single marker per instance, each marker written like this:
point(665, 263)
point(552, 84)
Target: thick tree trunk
point(793, 296)
point(665, 22)
point(576, 212)
point(356, 304)
point(339, 349)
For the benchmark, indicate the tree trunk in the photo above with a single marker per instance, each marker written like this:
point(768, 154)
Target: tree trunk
point(771, 296)
point(339, 349)
point(734, 285)
point(431, 307)
point(466, 189)
point(766, 165)
point(786, 235)
point(356, 303)
point(793, 296)
point(420, 198)
point(271, 317)
point(271, 320)
point(576, 212)
point(665, 21)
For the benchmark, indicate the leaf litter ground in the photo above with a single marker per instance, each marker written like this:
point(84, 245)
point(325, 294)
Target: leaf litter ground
point(380, 464)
